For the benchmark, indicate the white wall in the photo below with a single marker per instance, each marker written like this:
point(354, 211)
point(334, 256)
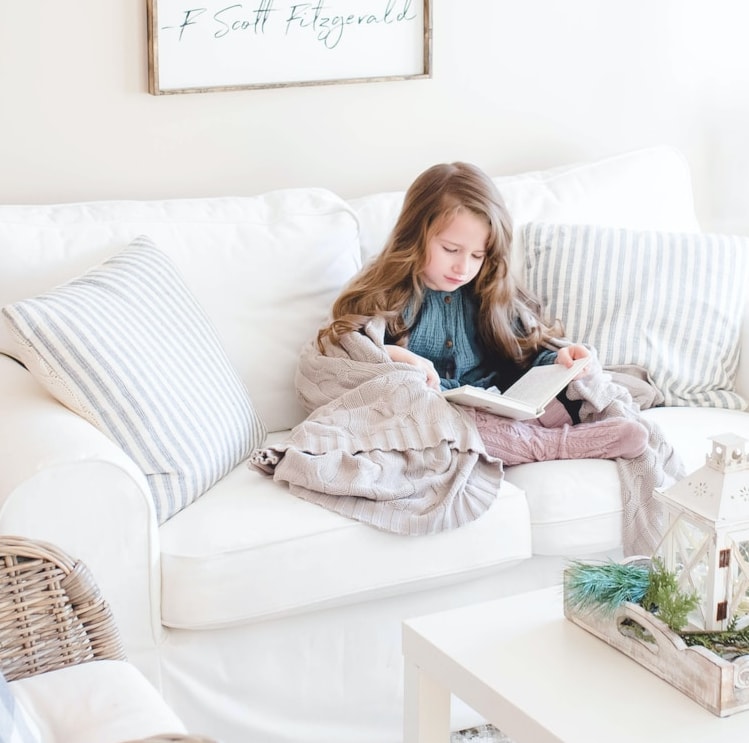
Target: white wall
point(517, 85)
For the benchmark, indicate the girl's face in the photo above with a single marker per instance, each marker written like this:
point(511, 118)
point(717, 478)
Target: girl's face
point(455, 254)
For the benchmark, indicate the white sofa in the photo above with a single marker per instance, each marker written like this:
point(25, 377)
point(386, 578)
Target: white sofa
point(259, 616)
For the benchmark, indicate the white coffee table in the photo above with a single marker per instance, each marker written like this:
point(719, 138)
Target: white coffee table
point(541, 679)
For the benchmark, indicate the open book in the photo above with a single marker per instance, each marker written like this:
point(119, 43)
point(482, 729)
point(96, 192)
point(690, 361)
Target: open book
point(525, 399)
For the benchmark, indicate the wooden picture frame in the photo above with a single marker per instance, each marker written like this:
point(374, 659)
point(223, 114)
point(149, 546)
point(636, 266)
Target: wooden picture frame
point(197, 46)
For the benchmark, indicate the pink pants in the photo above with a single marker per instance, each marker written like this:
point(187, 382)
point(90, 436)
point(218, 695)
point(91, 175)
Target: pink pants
point(552, 436)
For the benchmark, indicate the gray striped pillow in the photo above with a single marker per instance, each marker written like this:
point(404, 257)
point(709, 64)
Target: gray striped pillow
point(669, 302)
point(128, 347)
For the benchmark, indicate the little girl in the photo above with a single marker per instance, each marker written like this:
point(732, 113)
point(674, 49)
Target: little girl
point(453, 309)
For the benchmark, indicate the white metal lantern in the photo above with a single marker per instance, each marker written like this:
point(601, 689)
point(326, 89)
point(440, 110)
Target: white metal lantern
point(706, 538)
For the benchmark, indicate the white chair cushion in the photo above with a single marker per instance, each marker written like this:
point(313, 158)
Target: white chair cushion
point(104, 701)
point(16, 725)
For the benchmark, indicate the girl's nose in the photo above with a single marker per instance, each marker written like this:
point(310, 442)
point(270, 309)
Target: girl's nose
point(460, 265)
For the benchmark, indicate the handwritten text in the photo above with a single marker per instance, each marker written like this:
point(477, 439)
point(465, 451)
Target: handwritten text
point(317, 18)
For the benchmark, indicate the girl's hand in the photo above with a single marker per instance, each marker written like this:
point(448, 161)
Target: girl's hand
point(567, 354)
point(403, 355)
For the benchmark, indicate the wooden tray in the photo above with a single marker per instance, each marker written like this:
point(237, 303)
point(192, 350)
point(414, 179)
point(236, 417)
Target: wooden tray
point(719, 685)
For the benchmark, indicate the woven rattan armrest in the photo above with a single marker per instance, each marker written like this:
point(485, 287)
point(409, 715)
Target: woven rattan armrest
point(52, 614)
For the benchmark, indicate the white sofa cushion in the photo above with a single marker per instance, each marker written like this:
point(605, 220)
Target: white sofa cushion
point(649, 188)
point(104, 701)
point(127, 347)
point(575, 506)
point(221, 558)
point(663, 301)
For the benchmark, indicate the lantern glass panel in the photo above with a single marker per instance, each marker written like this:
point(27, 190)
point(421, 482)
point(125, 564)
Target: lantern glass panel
point(686, 554)
point(740, 577)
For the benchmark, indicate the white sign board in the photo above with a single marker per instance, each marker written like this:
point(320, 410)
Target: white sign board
point(201, 45)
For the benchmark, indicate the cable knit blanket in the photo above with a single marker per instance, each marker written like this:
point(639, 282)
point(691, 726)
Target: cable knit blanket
point(658, 466)
point(380, 447)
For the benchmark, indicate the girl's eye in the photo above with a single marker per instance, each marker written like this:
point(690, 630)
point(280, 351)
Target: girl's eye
point(449, 250)
point(479, 257)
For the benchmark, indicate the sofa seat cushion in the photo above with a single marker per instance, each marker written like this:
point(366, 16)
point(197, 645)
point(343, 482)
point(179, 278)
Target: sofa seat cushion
point(690, 429)
point(249, 550)
point(104, 701)
point(575, 505)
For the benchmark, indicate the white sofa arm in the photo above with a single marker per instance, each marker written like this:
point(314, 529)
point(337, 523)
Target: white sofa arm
point(63, 481)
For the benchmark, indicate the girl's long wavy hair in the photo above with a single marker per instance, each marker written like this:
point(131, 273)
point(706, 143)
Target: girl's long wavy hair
point(510, 324)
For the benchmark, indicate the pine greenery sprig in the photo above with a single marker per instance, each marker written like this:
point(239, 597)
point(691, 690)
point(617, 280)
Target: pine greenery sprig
point(664, 599)
point(604, 586)
point(728, 644)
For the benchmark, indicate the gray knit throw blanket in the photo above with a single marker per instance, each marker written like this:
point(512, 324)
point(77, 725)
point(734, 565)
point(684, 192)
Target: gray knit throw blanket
point(657, 466)
point(380, 447)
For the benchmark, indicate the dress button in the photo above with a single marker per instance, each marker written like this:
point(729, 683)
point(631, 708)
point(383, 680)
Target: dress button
point(448, 344)
point(448, 299)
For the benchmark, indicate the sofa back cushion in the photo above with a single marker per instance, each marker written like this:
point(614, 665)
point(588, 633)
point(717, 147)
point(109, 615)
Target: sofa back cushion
point(265, 269)
point(127, 347)
point(645, 189)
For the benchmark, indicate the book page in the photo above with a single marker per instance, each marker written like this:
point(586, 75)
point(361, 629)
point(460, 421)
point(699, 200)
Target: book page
point(492, 402)
point(538, 386)
point(525, 399)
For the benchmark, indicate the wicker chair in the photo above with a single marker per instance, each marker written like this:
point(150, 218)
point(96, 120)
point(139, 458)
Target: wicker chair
point(52, 615)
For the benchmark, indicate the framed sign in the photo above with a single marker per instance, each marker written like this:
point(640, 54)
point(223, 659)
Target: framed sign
point(197, 46)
